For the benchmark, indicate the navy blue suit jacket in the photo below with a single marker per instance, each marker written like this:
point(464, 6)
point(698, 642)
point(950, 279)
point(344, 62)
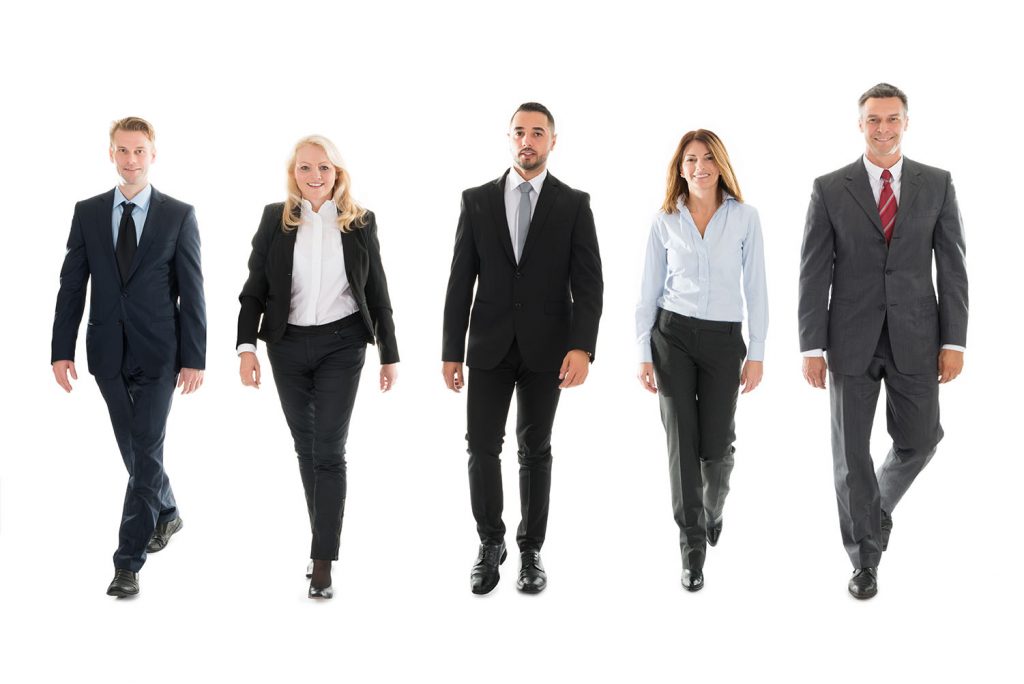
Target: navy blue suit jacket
point(158, 314)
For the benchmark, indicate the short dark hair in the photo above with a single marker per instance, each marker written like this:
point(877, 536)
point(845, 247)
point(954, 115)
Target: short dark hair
point(883, 90)
point(535, 107)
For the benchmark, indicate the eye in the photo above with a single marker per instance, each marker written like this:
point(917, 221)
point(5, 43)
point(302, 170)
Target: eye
point(324, 168)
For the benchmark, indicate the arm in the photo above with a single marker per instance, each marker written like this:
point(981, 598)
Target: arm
point(378, 301)
point(461, 280)
point(586, 283)
point(191, 305)
point(755, 292)
point(253, 298)
point(951, 272)
point(74, 277)
point(652, 287)
point(817, 257)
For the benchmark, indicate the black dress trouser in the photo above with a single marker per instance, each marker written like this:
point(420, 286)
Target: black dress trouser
point(490, 393)
point(316, 370)
point(697, 364)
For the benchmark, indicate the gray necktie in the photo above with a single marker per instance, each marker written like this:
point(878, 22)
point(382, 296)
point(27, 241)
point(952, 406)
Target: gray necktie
point(523, 225)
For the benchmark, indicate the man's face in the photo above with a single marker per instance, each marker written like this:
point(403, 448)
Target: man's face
point(132, 153)
point(530, 139)
point(883, 121)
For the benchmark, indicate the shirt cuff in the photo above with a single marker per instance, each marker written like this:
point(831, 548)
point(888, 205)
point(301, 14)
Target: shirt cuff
point(954, 347)
point(813, 352)
point(644, 353)
point(755, 351)
point(246, 348)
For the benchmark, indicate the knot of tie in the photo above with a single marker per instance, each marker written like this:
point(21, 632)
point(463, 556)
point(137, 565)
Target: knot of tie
point(886, 176)
point(525, 187)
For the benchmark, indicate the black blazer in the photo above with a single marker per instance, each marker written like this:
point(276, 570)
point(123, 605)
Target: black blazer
point(160, 311)
point(268, 290)
point(550, 302)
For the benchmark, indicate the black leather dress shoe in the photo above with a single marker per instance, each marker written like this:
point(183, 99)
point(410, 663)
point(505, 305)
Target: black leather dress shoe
point(886, 529)
point(714, 533)
point(124, 584)
point(321, 592)
point(532, 578)
point(163, 533)
point(864, 583)
point(693, 580)
point(484, 575)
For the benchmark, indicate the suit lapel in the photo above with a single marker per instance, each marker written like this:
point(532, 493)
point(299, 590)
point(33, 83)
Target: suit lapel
point(102, 221)
point(500, 218)
point(548, 194)
point(910, 184)
point(156, 201)
point(859, 186)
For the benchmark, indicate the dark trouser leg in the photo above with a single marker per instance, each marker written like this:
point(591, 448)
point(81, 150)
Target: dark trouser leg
point(138, 408)
point(853, 399)
point(317, 376)
point(676, 372)
point(487, 403)
point(537, 397)
point(912, 418)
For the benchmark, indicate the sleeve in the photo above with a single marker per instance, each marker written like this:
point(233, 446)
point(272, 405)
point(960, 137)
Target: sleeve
point(950, 250)
point(378, 301)
point(586, 281)
point(755, 288)
point(652, 287)
point(817, 258)
point(74, 277)
point(253, 298)
point(191, 300)
point(461, 281)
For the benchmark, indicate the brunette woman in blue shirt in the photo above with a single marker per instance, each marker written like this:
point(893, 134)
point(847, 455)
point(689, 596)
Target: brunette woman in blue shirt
point(704, 244)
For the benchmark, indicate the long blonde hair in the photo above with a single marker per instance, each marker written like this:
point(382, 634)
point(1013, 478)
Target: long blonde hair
point(677, 186)
point(350, 214)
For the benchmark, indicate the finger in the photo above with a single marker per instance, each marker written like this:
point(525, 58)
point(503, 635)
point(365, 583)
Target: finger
point(256, 375)
point(74, 375)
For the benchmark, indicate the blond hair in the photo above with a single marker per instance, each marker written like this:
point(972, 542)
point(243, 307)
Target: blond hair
point(350, 214)
point(134, 124)
point(677, 186)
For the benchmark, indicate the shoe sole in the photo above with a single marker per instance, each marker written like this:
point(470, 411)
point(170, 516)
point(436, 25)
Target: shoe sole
point(694, 589)
point(122, 594)
point(157, 549)
point(865, 596)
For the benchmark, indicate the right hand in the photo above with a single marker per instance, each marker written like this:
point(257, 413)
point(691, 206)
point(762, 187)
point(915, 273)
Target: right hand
point(814, 371)
point(646, 377)
point(249, 369)
point(454, 375)
point(60, 373)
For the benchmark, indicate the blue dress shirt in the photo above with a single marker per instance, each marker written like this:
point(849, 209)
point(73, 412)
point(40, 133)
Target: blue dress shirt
point(700, 276)
point(139, 213)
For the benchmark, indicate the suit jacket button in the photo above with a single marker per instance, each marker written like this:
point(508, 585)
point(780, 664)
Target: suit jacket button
point(518, 275)
point(888, 271)
point(517, 306)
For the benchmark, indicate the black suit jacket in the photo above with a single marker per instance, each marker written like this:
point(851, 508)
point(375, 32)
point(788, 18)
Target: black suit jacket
point(268, 290)
point(851, 281)
point(160, 311)
point(550, 302)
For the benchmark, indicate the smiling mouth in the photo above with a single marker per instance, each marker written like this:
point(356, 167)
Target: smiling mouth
point(315, 185)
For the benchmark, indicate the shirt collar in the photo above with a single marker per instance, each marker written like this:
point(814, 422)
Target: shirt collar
point(726, 197)
point(515, 180)
point(141, 200)
point(328, 210)
point(876, 171)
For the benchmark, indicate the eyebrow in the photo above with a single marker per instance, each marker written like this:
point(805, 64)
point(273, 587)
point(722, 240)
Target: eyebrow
point(535, 128)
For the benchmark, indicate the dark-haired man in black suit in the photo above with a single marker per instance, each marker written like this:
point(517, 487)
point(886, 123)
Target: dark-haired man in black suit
point(527, 242)
point(146, 330)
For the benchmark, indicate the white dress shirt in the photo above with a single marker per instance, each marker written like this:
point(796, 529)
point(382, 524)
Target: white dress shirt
point(512, 195)
point(701, 276)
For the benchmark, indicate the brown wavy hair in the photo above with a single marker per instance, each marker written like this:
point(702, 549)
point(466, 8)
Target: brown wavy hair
point(677, 186)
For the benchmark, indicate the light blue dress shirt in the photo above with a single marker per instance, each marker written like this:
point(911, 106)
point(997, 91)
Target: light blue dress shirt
point(139, 213)
point(701, 277)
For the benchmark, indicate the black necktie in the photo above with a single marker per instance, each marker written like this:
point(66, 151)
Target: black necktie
point(126, 241)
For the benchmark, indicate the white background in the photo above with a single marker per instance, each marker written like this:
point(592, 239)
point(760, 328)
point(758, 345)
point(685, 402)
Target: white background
point(417, 97)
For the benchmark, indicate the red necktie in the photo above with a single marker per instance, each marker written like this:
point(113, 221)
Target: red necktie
point(887, 206)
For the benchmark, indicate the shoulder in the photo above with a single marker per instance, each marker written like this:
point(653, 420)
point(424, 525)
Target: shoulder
point(104, 200)
point(743, 211)
point(839, 176)
point(929, 173)
point(170, 204)
point(566, 189)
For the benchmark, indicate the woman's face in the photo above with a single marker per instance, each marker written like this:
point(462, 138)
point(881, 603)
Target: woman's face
point(698, 168)
point(314, 174)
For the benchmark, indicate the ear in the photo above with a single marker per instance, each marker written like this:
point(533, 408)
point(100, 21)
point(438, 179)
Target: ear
point(110, 151)
point(554, 139)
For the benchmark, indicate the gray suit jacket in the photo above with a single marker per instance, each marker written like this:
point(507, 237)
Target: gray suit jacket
point(851, 282)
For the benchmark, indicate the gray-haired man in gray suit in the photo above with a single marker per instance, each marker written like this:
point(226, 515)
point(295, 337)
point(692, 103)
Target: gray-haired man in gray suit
point(867, 298)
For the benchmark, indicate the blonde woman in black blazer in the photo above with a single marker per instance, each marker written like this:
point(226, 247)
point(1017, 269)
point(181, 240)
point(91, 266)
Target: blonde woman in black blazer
point(321, 300)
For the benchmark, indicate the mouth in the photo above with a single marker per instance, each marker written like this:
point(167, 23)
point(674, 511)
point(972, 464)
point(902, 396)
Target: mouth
point(315, 186)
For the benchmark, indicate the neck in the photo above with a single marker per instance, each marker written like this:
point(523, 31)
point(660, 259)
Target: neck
point(885, 161)
point(702, 200)
point(130, 191)
point(531, 174)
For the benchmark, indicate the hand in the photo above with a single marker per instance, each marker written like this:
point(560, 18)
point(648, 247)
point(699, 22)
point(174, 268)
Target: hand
point(454, 376)
point(190, 380)
point(751, 376)
point(951, 362)
point(388, 375)
point(60, 373)
point(646, 377)
point(249, 369)
point(814, 371)
point(574, 370)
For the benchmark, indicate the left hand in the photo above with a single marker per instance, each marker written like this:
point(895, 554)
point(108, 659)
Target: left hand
point(189, 380)
point(388, 375)
point(750, 378)
point(951, 362)
point(575, 368)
